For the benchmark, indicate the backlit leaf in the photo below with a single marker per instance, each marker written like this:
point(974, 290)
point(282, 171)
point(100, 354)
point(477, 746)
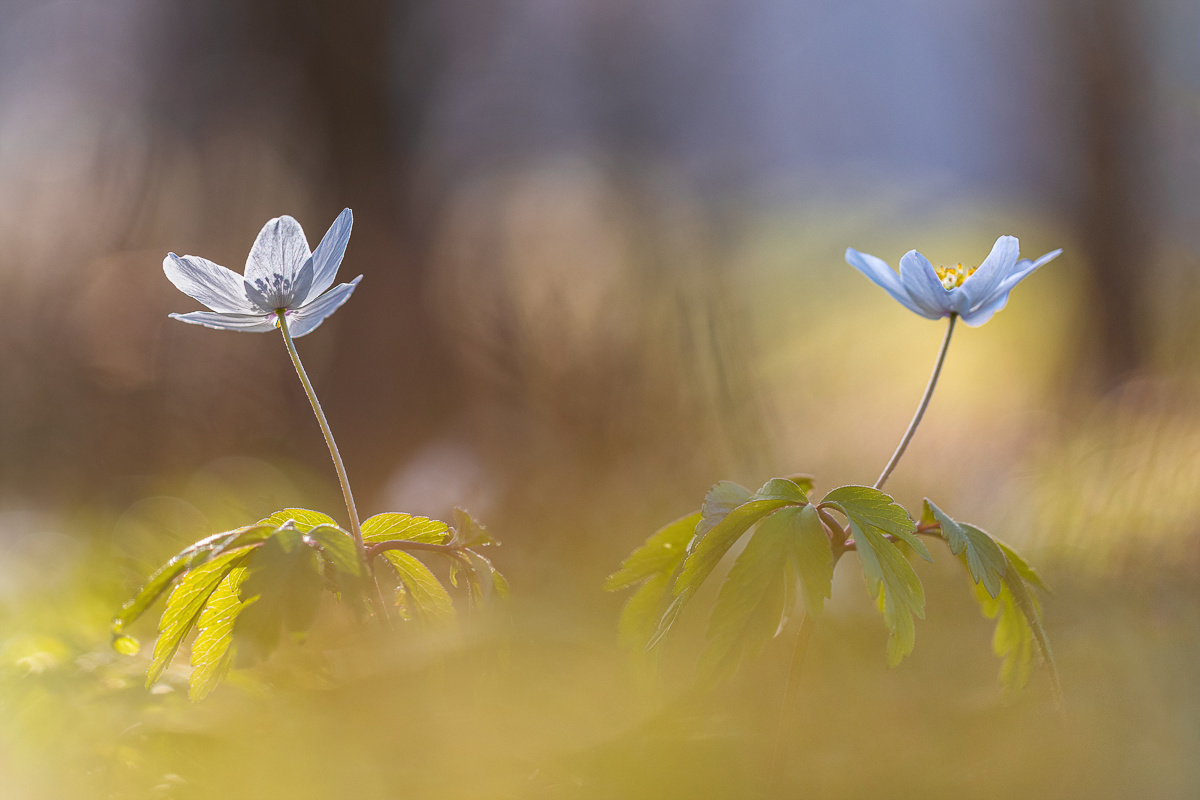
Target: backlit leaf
point(707, 550)
point(752, 599)
point(283, 579)
point(304, 519)
point(812, 556)
point(640, 613)
point(211, 649)
point(1023, 569)
point(661, 553)
point(483, 564)
point(722, 498)
point(426, 596)
point(1019, 627)
point(338, 548)
point(895, 586)
point(872, 508)
point(190, 557)
point(468, 532)
point(984, 558)
point(184, 606)
point(384, 527)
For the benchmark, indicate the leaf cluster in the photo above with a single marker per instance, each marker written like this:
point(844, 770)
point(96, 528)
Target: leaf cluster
point(792, 547)
point(240, 590)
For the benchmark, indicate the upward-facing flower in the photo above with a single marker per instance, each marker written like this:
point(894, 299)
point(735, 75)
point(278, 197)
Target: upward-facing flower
point(282, 275)
point(973, 293)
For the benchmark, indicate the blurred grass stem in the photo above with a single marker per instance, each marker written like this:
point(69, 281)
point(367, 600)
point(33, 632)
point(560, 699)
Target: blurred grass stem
point(355, 528)
point(916, 420)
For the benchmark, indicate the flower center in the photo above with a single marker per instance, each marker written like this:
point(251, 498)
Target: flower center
point(275, 291)
point(953, 277)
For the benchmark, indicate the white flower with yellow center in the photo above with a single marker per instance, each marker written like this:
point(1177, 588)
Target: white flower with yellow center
point(973, 293)
point(282, 276)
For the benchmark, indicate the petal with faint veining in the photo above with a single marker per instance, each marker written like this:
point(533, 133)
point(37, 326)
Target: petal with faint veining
point(228, 322)
point(984, 284)
point(981, 315)
point(213, 285)
point(275, 260)
point(879, 273)
point(307, 319)
point(922, 284)
point(328, 256)
point(1025, 268)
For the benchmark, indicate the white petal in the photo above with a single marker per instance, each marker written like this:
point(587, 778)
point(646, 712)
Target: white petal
point(983, 285)
point(213, 285)
point(923, 286)
point(328, 256)
point(878, 271)
point(229, 322)
point(1025, 268)
point(275, 261)
point(981, 315)
point(307, 319)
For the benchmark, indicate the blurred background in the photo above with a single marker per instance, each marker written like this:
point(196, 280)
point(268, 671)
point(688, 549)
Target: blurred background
point(602, 255)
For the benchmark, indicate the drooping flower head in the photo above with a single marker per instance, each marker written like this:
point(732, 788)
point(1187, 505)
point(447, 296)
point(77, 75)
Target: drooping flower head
point(973, 293)
point(282, 274)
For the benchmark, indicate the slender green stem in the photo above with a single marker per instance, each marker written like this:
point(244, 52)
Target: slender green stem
point(916, 420)
point(355, 528)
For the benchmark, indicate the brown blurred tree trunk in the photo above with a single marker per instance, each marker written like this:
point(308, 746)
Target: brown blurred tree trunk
point(370, 70)
point(1111, 213)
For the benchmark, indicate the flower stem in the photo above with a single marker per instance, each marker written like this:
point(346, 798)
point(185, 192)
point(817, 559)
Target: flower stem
point(355, 529)
point(916, 420)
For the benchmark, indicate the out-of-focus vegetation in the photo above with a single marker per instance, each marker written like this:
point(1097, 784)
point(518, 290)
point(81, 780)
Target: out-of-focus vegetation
point(602, 246)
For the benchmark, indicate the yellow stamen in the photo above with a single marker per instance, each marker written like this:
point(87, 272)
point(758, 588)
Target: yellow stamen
point(953, 277)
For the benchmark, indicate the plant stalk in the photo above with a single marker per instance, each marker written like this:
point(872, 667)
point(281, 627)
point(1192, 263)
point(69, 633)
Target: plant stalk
point(343, 479)
point(916, 420)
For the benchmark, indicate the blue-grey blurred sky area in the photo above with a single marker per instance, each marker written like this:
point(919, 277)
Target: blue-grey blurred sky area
point(552, 200)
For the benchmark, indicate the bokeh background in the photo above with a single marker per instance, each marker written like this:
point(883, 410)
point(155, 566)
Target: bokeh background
point(602, 246)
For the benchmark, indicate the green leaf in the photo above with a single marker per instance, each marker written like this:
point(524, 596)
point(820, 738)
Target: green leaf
point(1013, 638)
point(751, 604)
point(433, 603)
point(184, 606)
point(390, 526)
point(722, 498)
point(499, 584)
point(284, 579)
point(338, 547)
point(468, 532)
point(190, 557)
point(640, 613)
point(707, 550)
point(304, 519)
point(211, 650)
point(984, 558)
point(1023, 569)
point(1019, 625)
point(895, 586)
point(804, 481)
point(812, 555)
point(875, 509)
point(660, 554)
point(714, 540)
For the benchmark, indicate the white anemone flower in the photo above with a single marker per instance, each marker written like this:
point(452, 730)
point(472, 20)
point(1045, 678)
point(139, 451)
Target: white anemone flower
point(282, 275)
point(973, 293)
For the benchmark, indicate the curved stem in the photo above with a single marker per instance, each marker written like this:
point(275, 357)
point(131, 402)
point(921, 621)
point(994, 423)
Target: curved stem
point(343, 479)
point(916, 420)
